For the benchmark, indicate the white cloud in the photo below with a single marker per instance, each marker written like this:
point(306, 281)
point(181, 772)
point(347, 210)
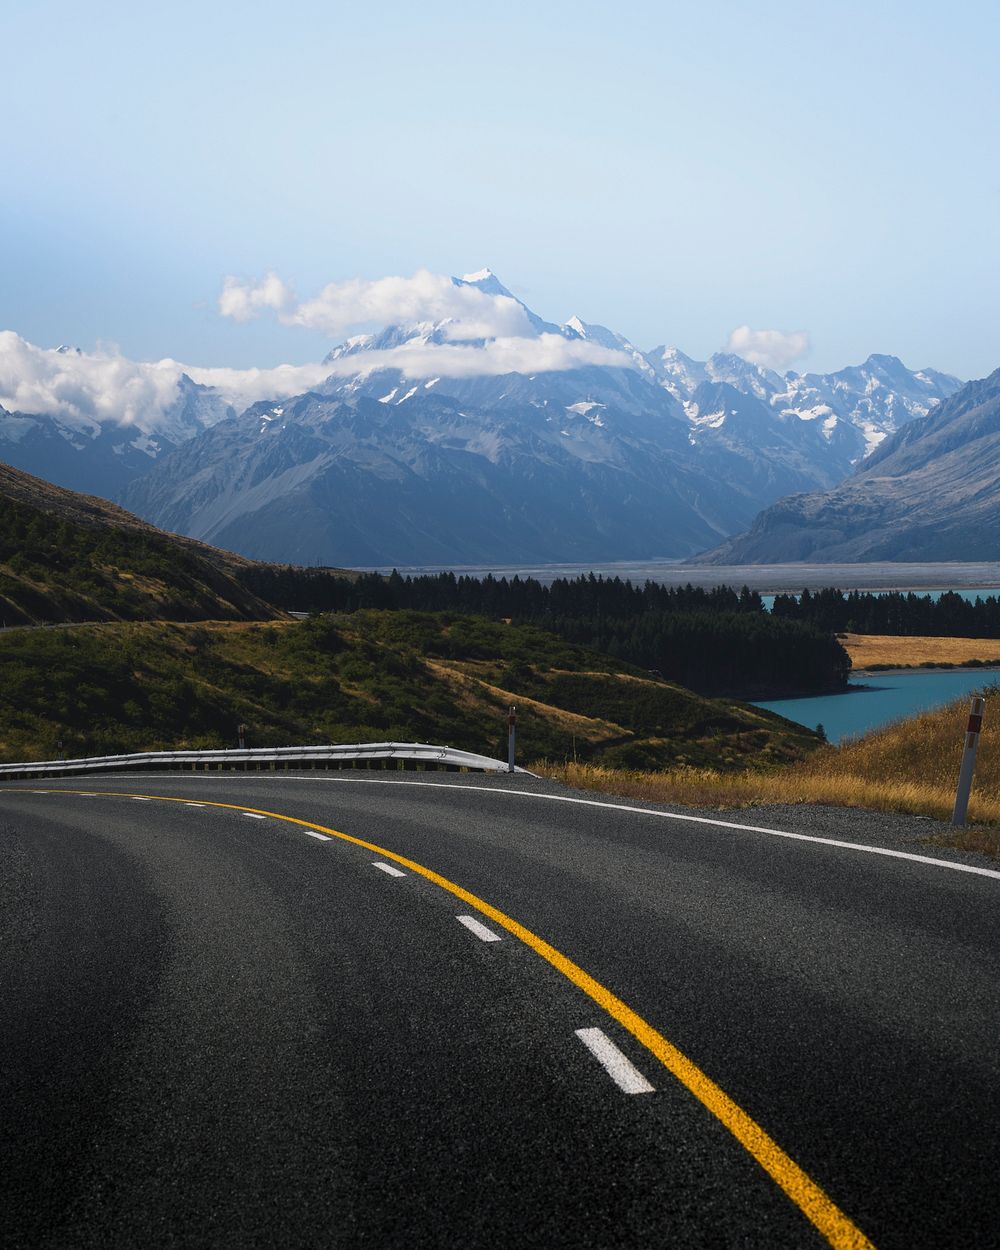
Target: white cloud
point(543, 354)
point(88, 389)
point(774, 349)
point(85, 389)
point(341, 306)
point(243, 301)
point(243, 387)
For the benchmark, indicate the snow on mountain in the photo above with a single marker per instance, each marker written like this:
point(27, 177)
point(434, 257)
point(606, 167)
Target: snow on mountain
point(486, 281)
point(877, 397)
point(675, 372)
point(855, 408)
point(931, 492)
point(416, 427)
point(615, 342)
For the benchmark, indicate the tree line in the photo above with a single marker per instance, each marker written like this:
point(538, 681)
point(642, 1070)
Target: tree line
point(893, 612)
point(714, 641)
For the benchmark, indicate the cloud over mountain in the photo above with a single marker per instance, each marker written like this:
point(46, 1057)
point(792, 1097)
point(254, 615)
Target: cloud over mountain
point(360, 302)
point(773, 349)
point(545, 353)
point(93, 387)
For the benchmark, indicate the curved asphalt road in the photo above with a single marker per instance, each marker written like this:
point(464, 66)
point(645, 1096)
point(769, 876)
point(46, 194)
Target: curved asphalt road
point(222, 1031)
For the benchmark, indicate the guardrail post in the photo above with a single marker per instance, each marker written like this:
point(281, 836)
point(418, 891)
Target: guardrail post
point(972, 732)
point(511, 736)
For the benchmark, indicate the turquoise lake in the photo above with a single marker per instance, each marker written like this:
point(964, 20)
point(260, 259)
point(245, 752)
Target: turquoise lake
point(880, 698)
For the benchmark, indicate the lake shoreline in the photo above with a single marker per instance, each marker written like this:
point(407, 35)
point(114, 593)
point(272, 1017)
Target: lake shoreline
point(883, 697)
point(917, 670)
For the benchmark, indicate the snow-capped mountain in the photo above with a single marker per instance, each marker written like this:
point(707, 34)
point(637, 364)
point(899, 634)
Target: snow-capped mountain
point(931, 492)
point(856, 408)
point(877, 398)
point(83, 452)
point(440, 333)
point(414, 475)
point(487, 435)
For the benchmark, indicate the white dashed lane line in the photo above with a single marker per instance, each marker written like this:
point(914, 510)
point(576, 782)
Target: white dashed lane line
point(311, 833)
point(480, 930)
point(194, 804)
point(393, 872)
point(253, 815)
point(622, 1070)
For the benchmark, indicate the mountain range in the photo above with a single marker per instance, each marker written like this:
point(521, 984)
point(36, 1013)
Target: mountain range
point(616, 453)
point(928, 493)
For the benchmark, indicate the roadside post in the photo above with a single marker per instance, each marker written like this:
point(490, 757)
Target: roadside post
point(241, 736)
point(968, 760)
point(511, 735)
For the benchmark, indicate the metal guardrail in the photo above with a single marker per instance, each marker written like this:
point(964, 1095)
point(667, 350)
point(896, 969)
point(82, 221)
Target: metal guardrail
point(409, 755)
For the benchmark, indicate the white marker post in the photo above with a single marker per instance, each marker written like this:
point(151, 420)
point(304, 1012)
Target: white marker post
point(511, 735)
point(968, 760)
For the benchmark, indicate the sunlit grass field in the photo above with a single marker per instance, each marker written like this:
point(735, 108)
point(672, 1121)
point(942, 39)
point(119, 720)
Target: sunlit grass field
point(868, 649)
point(910, 766)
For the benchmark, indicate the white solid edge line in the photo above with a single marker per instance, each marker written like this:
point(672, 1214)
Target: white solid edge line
point(321, 837)
point(930, 860)
point(393, 872)
point(621, 1069)
point(480, 930)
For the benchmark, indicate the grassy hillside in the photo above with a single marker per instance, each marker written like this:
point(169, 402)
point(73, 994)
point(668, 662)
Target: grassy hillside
point(910, 766)
point(719, 642)
point(69, 557)
point(360, 677)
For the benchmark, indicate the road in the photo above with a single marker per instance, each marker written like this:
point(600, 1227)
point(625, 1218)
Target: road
point(369, 1010)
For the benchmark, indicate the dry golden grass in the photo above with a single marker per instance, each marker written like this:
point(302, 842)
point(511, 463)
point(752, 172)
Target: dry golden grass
point(911, 766)
point(587, 728)
point(867, 649)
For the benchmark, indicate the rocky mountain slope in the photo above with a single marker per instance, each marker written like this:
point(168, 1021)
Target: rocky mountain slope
point(931, 492)
point(426, 478)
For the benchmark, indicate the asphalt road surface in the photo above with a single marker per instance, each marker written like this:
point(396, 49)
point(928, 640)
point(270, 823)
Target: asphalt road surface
point(370, 1010)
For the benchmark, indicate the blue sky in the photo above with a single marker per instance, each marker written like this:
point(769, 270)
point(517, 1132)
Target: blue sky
point(670, 170)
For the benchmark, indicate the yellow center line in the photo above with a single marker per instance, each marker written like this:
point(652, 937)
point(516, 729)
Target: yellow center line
point(803, 1191)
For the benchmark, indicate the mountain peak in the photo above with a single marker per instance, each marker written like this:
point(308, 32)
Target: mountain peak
point(484, 280)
